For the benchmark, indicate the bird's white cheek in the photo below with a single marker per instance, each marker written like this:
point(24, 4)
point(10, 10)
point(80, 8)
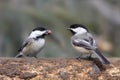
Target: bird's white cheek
point(36, 33)
point(79, 30)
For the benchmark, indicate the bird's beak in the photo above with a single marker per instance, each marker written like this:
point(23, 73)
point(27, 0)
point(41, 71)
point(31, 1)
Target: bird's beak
point(49, 32)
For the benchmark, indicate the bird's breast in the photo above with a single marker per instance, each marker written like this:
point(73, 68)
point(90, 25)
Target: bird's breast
point(38, 44)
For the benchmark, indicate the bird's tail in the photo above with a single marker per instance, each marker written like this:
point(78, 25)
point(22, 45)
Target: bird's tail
point(102, 58)
point(19, 55)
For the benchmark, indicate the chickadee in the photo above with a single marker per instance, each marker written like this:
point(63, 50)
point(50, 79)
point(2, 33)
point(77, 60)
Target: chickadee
point(84, 42)
point(34, 43)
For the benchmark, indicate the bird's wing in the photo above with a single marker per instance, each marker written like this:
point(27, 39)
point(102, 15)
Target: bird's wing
point(83, 43)
point(25, 43)
point(91, 40)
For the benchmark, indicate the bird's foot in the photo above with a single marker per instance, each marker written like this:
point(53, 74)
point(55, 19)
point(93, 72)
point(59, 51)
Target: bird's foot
point(79, 57)
point(90, 57)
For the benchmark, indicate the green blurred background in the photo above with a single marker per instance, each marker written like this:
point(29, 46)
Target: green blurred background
point(19, 17)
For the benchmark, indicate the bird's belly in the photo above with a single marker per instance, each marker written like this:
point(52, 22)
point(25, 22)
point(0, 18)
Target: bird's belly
point(81, 49)
point(34, 47)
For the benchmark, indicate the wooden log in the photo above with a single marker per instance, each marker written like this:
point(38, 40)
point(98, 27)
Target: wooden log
point(57, 69)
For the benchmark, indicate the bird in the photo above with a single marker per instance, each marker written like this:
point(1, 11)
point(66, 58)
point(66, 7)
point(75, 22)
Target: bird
point(83, 41)
point(34, 43)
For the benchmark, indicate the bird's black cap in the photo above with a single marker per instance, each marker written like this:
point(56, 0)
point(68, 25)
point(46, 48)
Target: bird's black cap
point(39, 28)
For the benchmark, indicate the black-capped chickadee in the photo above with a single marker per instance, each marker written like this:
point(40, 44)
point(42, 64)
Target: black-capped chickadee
point(84, 42)
point(34, 42)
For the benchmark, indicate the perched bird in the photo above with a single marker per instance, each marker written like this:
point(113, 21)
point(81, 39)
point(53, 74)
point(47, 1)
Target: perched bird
point(83, 41)
point(34, 42)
